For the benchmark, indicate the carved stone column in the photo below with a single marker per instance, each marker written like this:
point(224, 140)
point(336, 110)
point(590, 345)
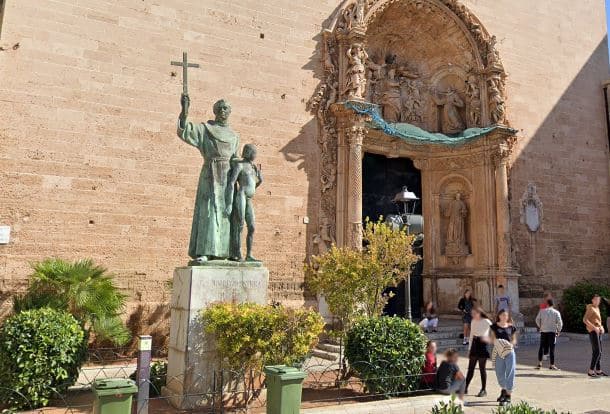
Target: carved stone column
point(502, 211)
point(355, 136)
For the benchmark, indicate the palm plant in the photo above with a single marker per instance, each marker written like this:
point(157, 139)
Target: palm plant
point(82, 288)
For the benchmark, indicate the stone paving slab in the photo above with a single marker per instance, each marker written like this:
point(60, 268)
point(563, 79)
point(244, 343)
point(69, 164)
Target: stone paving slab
point(412, 405)
point(568, 390)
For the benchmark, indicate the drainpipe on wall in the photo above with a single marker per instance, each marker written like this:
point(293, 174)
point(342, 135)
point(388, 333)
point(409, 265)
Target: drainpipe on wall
point(606, 85)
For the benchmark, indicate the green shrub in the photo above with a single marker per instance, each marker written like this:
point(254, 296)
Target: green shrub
point(352, 281)
point(158, 377)
point(41, 352)
point(251, 336)
point(448, 408)
point(82, 288)
point(575, 300)
point(522, 408)
point(387, 353)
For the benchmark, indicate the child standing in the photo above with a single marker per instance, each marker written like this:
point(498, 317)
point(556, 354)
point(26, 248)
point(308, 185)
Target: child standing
point(502, 300)
point(449, 379)
point(429, 370)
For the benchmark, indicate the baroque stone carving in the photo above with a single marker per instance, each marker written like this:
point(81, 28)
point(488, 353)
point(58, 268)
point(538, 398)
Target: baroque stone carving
point(355, 84)
point(473, 93)
point(369, 54)
point(531, 209)
point(324, 239)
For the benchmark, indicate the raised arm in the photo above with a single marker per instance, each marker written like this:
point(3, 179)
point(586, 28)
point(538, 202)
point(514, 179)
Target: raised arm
point(187, 131)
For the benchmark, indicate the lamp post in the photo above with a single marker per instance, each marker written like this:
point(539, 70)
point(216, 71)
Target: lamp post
point(408, 200)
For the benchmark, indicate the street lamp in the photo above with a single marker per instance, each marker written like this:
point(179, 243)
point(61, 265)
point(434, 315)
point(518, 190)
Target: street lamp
point(409, 201)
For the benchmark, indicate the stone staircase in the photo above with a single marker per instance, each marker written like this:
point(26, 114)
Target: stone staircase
point(447, 336)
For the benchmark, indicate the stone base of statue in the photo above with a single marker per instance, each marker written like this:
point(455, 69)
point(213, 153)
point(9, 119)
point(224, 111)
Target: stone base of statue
point(193, 361)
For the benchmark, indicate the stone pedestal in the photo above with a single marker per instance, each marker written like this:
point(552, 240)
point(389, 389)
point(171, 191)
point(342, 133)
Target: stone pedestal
point(193, 360)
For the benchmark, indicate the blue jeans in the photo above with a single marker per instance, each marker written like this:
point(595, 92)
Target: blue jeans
point(505, 371)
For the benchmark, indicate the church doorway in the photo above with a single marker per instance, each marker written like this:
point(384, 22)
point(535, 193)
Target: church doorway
point(382, 179)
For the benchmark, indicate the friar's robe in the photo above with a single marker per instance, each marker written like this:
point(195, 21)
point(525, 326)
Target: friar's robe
point(211, 227)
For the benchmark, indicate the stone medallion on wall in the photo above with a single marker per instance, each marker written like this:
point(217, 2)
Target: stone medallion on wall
point(420, 79)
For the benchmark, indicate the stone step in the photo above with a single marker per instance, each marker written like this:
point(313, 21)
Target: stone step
point(329, 347)
point(328, 356)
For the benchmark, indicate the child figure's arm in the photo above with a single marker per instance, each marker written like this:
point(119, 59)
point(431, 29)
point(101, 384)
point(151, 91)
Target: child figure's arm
point(233, 176)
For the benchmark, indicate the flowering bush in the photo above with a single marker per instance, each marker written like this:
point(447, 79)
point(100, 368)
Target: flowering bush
point(251, 336)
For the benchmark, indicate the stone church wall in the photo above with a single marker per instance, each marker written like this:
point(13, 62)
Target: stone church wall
point(90, 165)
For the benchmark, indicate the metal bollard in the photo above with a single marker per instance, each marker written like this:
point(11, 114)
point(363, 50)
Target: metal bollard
point(143, 372)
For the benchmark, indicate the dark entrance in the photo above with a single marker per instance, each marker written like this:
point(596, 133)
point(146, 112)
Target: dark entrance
point(382, 178)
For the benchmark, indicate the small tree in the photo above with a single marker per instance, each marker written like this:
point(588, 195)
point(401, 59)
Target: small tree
point(352, 281)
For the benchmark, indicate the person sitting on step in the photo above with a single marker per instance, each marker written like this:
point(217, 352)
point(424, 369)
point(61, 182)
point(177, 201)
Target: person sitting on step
point(429, 323)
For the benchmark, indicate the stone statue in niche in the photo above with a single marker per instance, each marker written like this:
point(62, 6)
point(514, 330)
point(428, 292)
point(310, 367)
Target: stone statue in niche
point(356, 73)
point(456, 212)
point(450, 120)
point(474, 101)
point(413, 105)
point(391, 97)
point(531, 209)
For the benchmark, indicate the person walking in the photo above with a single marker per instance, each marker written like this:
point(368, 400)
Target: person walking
point(550, 324)
point(465, 305)
point(593, 323)
point(477, 348)
point(543, 305)
point(504, 355)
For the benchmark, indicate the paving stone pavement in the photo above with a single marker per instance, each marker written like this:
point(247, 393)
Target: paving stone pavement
point(568, 390)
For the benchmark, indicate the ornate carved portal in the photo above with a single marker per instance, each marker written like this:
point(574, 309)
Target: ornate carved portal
point(424, 66)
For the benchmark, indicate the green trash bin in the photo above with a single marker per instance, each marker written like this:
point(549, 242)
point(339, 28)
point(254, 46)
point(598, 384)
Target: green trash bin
point(284, 386)
point(113, 396)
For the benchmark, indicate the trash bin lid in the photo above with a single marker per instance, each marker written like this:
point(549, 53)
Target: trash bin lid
point(280, 369)
point(114, 386)
point(285, 372)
